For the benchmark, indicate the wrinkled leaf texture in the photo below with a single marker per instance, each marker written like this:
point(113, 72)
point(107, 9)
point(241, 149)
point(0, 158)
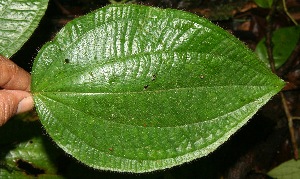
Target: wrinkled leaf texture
point(134, 89)
point(18, 19)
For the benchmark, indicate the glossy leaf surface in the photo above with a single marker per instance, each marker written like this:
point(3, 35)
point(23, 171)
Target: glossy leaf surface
point(135, 88)
point(18, 19)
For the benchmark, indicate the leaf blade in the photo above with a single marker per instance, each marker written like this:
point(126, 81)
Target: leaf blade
point(284, 40)
point(18, 21)
point(286, 170)
point(153, 104)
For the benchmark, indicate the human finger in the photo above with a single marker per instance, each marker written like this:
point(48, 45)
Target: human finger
point(13, 102)
point(13, 77)
point(14, 90)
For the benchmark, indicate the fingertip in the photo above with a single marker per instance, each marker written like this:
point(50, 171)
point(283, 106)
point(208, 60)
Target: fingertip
point(25, 105)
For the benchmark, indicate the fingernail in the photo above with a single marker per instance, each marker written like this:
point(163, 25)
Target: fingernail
point(25, 105)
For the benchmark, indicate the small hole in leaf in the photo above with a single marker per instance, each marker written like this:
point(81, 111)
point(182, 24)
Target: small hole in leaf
point(67, 60)
point(201, 76)
point(28, 168)
point(153, 77)
point(145, 87)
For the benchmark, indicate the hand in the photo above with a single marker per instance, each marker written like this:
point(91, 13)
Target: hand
point(15, 94)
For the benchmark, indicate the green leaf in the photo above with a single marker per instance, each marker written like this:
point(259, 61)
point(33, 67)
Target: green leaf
point(18, 19)
point(264, 3)
point(287, 170)
point(29, 159)
point(136, 88)
point(284, 41)
point(25, 152)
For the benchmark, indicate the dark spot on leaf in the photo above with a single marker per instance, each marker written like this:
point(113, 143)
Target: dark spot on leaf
point(28, 168)
point(67, 60)
point(153, 77)
point(30, 141)
point(145, 87)
point(110, 149)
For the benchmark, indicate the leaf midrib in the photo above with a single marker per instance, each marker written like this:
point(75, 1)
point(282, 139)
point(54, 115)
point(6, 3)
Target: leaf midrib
point(45, 95)
point(150, 91)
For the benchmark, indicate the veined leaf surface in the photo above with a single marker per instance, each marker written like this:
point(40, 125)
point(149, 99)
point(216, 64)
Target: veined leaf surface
point(136, 89)
point(18, 20)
